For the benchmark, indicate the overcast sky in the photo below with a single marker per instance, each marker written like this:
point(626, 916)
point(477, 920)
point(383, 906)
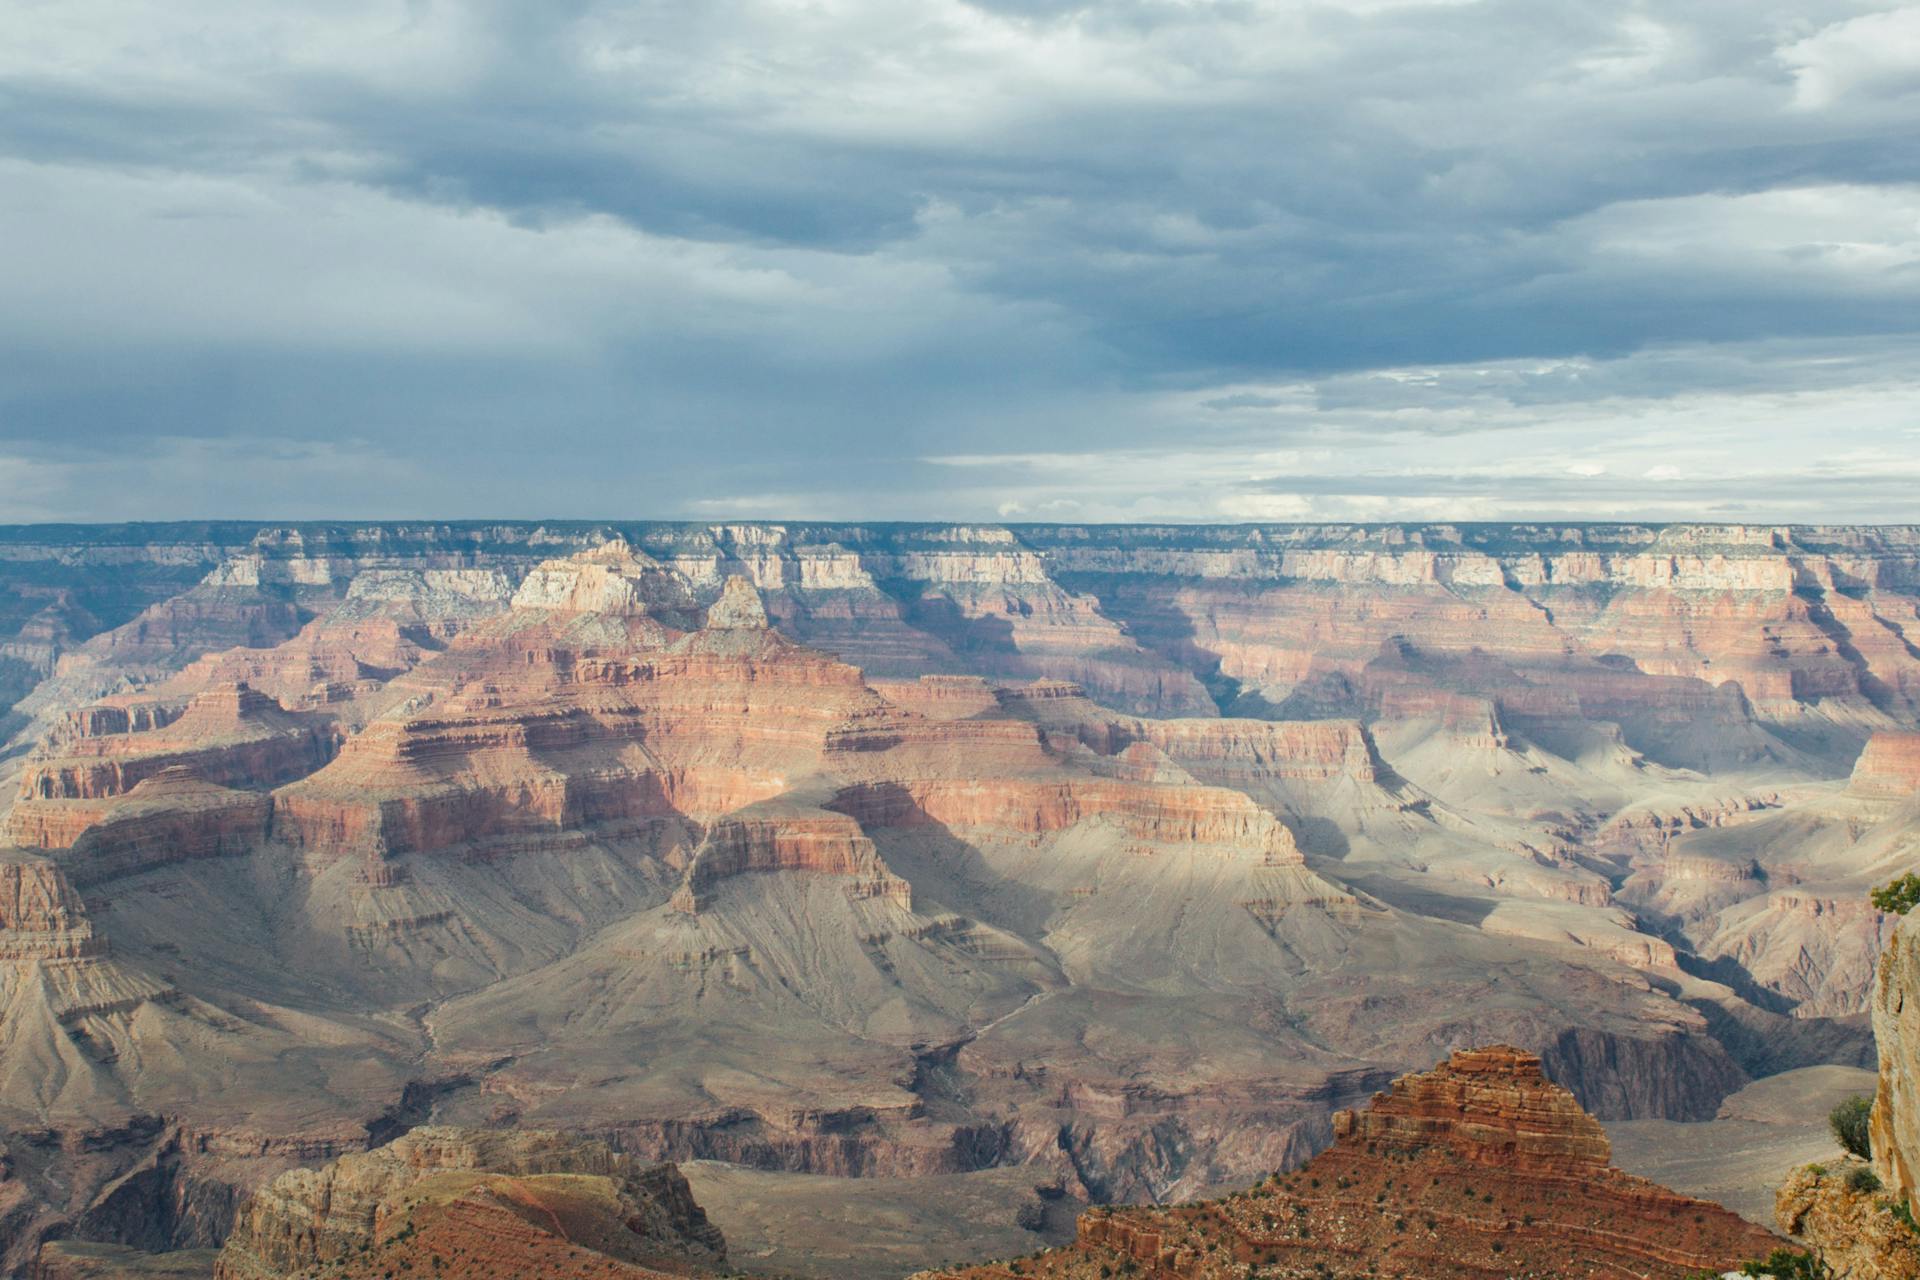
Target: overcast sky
point(1016, 259)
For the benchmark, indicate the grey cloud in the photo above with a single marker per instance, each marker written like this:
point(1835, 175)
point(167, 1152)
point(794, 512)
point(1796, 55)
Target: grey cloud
point(858, 235)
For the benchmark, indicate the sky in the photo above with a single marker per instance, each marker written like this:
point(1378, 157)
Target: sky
point(1208, 260)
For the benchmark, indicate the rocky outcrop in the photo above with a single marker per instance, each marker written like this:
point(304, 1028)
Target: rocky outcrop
point(1889, 767)
point(232, 737)
point(738, 608)
point(349, 1214)
point(1479, 1167)
point(610, 579)
point(41, 917)
point(816, 843)
point(1848, 1221)
point(1489, 1107)
point(171, 817)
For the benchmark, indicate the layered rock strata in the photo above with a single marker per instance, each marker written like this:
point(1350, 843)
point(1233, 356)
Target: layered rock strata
point(1889, 767)
point(227, 736)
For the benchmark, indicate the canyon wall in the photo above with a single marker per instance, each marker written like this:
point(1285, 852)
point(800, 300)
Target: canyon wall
point(1132, 854)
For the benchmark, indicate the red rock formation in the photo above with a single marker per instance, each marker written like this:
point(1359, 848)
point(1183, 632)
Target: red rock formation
point(169, 818)
point(41, 917)
point(536, 736)
point(1477, 1168)
point(941, 697)
point(331, 662)
point(781, 838)
point(531, 732)
point(1153, 814)
point(233, 736)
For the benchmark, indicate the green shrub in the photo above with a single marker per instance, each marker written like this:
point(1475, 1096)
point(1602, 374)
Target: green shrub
point(1849, 1124)
point(1862, 1180)
point(1788, 1265)
point(1898, 897)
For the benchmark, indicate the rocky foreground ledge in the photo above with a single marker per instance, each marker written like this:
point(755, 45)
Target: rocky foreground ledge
point(1480, 1167)
point(474, 1203)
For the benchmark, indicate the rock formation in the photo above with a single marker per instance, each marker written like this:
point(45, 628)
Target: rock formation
point(520, 1203)
point(226, 735)
point(1844, 1217)
point(1889, 767)
point(1479, 1167)
point(1896, 1027)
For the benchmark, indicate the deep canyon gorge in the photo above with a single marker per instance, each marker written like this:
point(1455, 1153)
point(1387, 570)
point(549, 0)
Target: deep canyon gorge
point(1093, 865)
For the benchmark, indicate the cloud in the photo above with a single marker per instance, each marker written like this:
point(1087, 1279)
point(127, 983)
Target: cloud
point(1874, 53)
point(765, 258)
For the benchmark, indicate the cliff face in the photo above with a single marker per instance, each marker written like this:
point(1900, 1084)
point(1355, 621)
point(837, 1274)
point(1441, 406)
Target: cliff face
point(1479, 1167)
point(229, 735)
point(41, 917)
point(1889, 767)
point(1896, 1027)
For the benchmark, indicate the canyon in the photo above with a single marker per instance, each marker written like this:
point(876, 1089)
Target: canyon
point(1125, 858)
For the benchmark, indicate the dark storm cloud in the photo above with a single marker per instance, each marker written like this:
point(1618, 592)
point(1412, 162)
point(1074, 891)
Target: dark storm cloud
point(786, 257)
